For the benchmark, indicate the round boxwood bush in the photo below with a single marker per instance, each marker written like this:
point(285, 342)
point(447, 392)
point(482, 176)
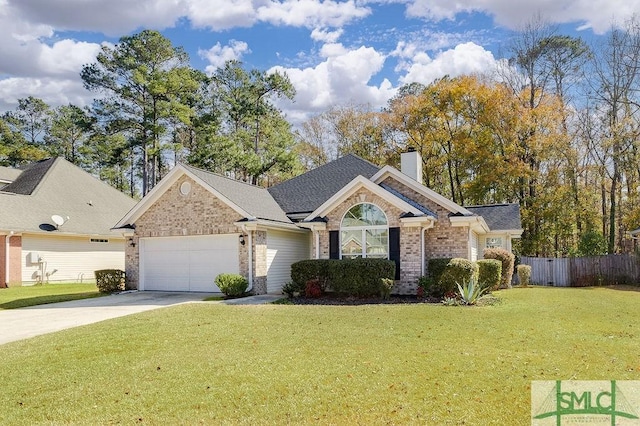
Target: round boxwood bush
point(233, 285)
point(458, 271)
point(508, 261)
point(110, 280)
point(524, 274)
point(489, 273)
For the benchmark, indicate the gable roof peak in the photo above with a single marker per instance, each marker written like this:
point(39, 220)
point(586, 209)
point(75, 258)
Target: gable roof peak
point(308, 191)
point(201, 170)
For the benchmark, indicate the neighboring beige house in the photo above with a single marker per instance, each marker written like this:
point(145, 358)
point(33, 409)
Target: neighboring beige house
point(195, 224)
point(55, 222)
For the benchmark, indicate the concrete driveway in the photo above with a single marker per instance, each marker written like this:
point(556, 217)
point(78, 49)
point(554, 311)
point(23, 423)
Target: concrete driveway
point(18, 324)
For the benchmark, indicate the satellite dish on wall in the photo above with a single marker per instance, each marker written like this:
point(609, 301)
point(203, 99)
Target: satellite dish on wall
point(59, 220)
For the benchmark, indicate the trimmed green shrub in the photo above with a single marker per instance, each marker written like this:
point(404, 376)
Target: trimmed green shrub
point(386, 284)
point(430, 283)
point(458, 271)
point(356, 277)
point(360, 277)
point(110, 280)
point(489, 273)
point(425, 283)
point(435, 267)
point(314, 269)
point(233, 285)
point(290, 288)
point(524, 275)
point(507, 258)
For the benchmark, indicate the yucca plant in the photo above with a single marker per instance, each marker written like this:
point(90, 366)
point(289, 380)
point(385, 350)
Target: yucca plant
point(470, 292)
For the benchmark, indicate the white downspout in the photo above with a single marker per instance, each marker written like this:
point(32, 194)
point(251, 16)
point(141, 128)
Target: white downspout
point(422, 247)
point(250, 256)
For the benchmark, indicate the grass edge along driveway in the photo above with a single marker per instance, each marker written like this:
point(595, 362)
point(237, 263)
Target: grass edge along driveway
point(21, 297)
point(278, 364)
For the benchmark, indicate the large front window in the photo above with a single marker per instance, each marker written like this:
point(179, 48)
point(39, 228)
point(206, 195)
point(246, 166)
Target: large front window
point(364, 232)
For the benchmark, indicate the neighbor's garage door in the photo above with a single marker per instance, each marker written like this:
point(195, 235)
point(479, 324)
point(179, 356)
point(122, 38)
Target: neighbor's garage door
point(186, 263)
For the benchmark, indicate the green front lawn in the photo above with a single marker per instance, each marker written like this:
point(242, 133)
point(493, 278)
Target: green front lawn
point(20, 297)
point(286, 364)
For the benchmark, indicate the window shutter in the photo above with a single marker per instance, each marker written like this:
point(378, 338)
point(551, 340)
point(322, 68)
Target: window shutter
point(394, 249)
point(334, 244)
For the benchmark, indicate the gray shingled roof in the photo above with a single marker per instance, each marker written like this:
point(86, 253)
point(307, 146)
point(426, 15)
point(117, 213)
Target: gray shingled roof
point(56, 186)
point(307, 192)
point(499, 217)
point(414, 203)
point(254, 200)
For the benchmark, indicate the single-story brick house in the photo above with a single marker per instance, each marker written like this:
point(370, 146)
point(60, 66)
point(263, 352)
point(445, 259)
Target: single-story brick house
point(195, 224)
point(55, 224)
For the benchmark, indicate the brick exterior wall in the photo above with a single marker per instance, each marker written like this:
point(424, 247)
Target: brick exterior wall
point(443, 240)
point(409, 237)
point(260, 262)
point(3, 260)
point(15, 260)
point(197, 213)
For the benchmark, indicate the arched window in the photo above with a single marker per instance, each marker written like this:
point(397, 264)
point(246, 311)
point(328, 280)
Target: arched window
point(364, 232)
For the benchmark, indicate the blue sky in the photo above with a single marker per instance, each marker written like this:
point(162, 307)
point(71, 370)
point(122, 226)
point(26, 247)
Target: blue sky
point(335, 52)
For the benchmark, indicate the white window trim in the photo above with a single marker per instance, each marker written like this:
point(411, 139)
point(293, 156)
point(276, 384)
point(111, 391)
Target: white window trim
point(500, 242)
point(364, 230)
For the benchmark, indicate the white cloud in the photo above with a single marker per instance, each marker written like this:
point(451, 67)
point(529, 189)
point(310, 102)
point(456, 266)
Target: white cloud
point(225, 14)
point(66, 57)
point(219, 54)
point(34, 68)
point(343, 78)
point(326, 36)
point(53, 91)
point(596, 14)
point(113, 17)
point(221, 14)
point(466, 58)
point(311, 13)
point(24, 52)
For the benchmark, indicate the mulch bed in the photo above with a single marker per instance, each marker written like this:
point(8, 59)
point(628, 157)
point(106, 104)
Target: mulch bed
point(333, 299)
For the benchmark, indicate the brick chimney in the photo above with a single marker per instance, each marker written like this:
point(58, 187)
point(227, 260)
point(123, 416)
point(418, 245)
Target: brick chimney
point(411, 164)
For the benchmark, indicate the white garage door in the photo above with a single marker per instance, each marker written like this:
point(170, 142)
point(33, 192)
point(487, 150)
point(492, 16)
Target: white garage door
point(187, 263)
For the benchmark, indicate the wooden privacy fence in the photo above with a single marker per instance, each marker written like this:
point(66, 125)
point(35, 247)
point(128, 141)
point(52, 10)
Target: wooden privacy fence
point(584, 271)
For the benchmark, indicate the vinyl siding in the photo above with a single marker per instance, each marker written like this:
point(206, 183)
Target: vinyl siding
point(283, 249)
point(474, 246)
point(74, 258)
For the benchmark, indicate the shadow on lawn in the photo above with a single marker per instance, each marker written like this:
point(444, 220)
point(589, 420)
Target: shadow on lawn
point(619, 287)
point(44, 300)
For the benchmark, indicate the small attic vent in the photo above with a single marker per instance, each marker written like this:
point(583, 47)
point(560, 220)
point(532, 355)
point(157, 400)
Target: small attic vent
point(185, 188)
